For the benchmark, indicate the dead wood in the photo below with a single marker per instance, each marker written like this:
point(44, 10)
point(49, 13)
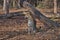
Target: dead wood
point(10, 15)
point(39, 15)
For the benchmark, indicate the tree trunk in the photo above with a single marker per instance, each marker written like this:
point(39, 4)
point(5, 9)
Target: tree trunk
point(14, 3)
point(6, 6)
point(55, 6)
point(39, 15)
point(19, 3)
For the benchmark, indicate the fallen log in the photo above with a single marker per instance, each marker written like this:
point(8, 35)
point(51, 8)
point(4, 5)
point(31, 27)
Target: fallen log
point(39, 15)
point(10, 15)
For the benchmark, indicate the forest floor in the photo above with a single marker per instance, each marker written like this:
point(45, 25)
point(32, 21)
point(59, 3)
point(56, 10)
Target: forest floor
point(16, 29)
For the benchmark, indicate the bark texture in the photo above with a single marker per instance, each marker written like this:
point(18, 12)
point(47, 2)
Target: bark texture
point(6, 6)
point(39, 15)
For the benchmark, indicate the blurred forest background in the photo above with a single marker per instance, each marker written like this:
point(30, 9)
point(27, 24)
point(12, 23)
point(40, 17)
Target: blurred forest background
point(42, 4)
